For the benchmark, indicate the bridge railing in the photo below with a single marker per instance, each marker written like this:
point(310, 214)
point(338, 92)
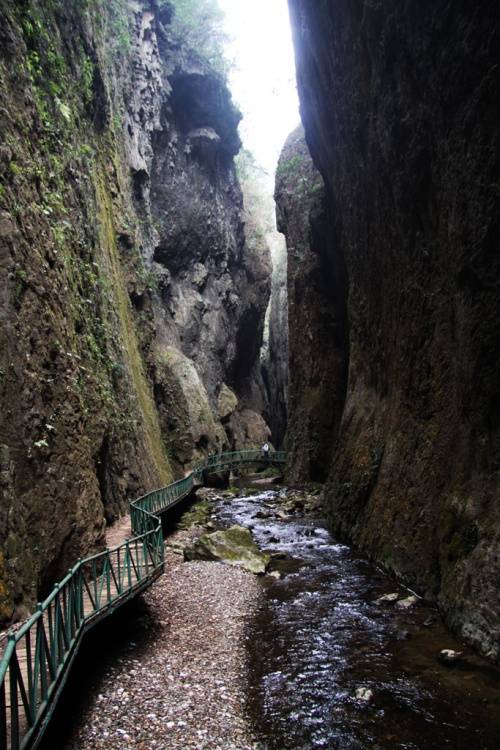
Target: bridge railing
point(143, 510)
point(38, 655)
point(236, 458)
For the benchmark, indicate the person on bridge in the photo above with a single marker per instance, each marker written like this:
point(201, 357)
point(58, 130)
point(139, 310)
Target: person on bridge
point(265, 450)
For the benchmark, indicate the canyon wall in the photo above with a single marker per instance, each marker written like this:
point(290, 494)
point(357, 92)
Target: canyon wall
point(316, 314)
point(131, 311)
point(263, 237)
point(275, 351)
point(400, 107)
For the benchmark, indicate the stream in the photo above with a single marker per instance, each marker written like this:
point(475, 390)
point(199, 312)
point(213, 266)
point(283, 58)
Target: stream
point(318, 637)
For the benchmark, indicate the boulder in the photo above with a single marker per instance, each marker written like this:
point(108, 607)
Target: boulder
point(197, 516)
point(364, 694)
point(184, 408)
point(387, 599)
point(450, 657)
point(248, 429)
point(227, 402)
point(407, 603)
point(234, 546)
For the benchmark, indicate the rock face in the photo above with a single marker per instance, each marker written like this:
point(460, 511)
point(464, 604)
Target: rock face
point(315, 312)
point(184, 409)
point(234, 546)
point(208, 284)
point(274, 354)
point(127, 297)
point(264, 241)
point(400, 108)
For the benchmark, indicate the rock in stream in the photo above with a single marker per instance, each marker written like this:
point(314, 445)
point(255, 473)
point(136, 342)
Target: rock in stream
point(234, 546)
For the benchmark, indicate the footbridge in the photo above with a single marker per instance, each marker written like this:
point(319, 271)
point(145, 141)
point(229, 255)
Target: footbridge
point(37, 657)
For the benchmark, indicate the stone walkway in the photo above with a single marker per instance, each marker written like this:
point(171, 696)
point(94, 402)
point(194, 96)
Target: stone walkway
point(184, 688)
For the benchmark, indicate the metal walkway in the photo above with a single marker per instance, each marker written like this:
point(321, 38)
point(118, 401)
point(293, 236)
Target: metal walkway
point(38, 656)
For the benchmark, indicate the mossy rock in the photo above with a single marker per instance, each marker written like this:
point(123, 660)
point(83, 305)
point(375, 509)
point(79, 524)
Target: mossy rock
point(227, 402)
point(234, 546)
point(198, 515)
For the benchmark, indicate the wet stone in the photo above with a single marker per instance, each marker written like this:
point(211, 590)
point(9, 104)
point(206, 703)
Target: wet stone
point(234, 546)
point(407, 603)
point(387, 599)
point(449, 656)
point(364, 694)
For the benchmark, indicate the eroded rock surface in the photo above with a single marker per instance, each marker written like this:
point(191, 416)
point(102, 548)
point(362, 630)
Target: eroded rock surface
point(234, 546)
point(399, 104)
point(317, 336)
point(128, 297)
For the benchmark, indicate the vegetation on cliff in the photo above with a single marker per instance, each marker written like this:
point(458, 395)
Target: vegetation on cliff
point(199, 25)
point(108, 119)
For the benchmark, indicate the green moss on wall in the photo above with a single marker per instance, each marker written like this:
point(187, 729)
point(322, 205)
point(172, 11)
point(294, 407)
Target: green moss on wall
point(133, 360)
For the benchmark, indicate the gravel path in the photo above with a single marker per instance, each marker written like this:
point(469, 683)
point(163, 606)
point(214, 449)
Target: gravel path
point(185, 688)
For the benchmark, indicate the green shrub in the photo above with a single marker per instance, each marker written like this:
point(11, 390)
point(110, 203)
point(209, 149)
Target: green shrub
point(200, 25)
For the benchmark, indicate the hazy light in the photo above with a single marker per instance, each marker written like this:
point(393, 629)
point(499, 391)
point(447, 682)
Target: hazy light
point(263, 78)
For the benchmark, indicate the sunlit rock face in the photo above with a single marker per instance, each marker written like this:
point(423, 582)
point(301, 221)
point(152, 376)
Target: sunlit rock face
point(400, 109)
point(212, 287)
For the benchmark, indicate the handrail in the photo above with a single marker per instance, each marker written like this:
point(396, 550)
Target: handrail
point(38, 655)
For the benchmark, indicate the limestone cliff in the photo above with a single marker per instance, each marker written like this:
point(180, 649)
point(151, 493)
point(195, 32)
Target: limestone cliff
point(400, 108)
point(275, 350)
point(317, 339)
point(127, 299)
point(208, 285)
point(265, 242)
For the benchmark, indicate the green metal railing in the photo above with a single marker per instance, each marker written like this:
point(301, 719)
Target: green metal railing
point(38, 655)
point(221, 461)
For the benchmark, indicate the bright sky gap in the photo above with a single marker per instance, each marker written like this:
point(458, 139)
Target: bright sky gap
point(263, 76)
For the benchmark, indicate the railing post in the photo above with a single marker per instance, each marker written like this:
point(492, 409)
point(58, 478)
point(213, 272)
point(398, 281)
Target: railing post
point(55, 652)
point(3, 715)
point(118, 563)
point(14, 711)
point(127, 558)
point(108, 575)
point(97, 605)
point(40, 653)
point(29, 667)
point(81, 606)
point(68, 601)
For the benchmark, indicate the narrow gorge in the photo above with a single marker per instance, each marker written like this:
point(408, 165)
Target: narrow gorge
point(176, 314)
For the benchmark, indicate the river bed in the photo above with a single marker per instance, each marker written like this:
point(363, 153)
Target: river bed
point(318, 639)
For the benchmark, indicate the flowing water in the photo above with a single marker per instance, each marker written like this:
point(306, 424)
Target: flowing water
point(318, 637)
